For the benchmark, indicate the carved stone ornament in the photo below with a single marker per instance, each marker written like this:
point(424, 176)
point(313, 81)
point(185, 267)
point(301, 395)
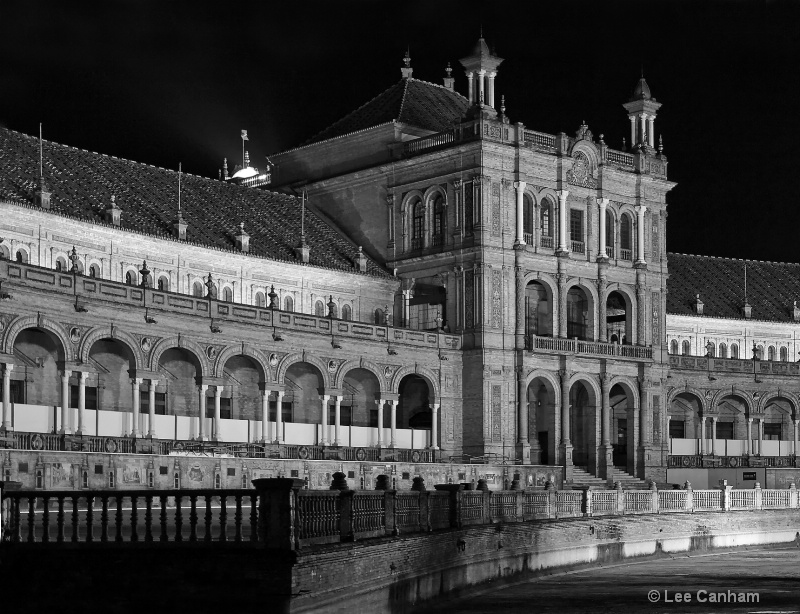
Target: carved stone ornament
point(75, 334)
point(273, 360)
point(146, 344)
point(388, 372)
point(332, 365)
point(211, 352)
point(581, 173)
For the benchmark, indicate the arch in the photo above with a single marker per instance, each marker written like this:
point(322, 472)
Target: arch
point(361, 363)
point(631, 309)
point(734, 350)
point(738, 394)
point(711, 349)
point(297, 357)
point(591, 309)
point(588, 380)
point(673, 347)
point(780, 394)
point(259, 299)
point(61, 264)
point(630, 386)
point(347, 312)
point(626, 235)
point(695, 392)
point(784, 354)
point(198, 289)
point(5, 253)
point(759, 351)
point(546, 219)
point(551, 286)
point(424, 372)
point(611, 234)
point(131, 277)
point(686, 348)
point(227, 293)
point(771, 353)
point(107, 332)
point(319, 309)
point(539, 308)
point(185, 344)
point(551, 378)
point(21, 254)
point(243, 350)
point(288, 303)
point(379, 316)
point(163, 283)
point(44, 323)
point(723, 350)
point(528, 213)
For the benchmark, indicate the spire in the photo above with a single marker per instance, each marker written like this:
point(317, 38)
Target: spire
point(179, 225)
point(481, 68)
point(303, 251)
point(407, 71)
point(642, 109)
point(225, 169)
point(41, 196)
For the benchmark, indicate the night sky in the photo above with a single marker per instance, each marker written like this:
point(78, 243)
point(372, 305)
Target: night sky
point(164, 82)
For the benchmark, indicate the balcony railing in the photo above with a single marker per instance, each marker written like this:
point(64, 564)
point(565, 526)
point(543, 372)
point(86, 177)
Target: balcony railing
point(540, 139)
point(610, 251)
point(546, 241)
point(600, 348)
point(626, 254)
point(734, 365)
point(528, 237)
point(192, 518)
point(579, 247)
point(618, 157)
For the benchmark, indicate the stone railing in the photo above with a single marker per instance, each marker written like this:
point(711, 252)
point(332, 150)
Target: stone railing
point(540, 139)
point(709, 461)
point(576, 346)
point(734, 365)
point(126, 445)
point(428, 142)
point(82, 290)
point(280, 514)
point(619, 157)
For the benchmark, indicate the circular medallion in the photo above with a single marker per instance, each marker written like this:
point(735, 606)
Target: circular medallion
point(332, 365)
point(211, 352)
point(74, 334)
point(387, 373)
point(146, 344)
point(273, 360)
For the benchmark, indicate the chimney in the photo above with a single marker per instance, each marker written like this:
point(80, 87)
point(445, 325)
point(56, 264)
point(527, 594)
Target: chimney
point(698, 306)
point(113, 213)
point(361, 261)
point(242, 239)
point(407, 70)
point(449, 80)
point(180, 227)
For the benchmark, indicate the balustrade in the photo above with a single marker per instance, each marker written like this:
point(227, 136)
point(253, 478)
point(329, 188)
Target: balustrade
point(560, 344)
point(545, 241)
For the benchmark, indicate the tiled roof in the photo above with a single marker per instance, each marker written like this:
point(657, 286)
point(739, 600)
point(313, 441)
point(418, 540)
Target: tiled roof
point(772, 287)
point(418, 103)
point(82, 183)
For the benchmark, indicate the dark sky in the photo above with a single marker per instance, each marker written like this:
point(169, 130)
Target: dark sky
point(164, 82)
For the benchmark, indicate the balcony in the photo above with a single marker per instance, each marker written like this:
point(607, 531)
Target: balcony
point(626, 254)
point(610, 251)
point(527, 237)
point(579, 247)
point(597, 348)
point(545, 241)
point(734, 365)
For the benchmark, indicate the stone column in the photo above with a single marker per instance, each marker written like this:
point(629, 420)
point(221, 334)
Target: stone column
point(641, 309)
point(393, 423)
point(522, 426)
point(490, 89)
point(337, 420)
point(152, 409)
point(470, 88)
point(606, 448)
point(435, 426)
point(81, 400)
point(643, 127)
point(481, 74)
point(566, 446)
point(201, 426)
point(602, 311)
point(520, 188)
point(64, 403)
point(217, 410)
point(7, 396)
point(651, 130)
point(633, 130)
point(279, 416)
point(703, 435)
point(761, 436)
point(562, 304)
point(520, 331)
point(325, 399)
point(640, 209)
point(265, 438)
point(603, 202)
point(562, 220)
point(380, 403)
point(135, 383)
point(749, 445)
point(713, 435)
point(795, 444)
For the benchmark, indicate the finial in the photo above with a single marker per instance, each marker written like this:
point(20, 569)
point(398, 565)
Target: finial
point(660, 144)
point(407, 58)
point(481, 30)
point(503, 104)
point(602, 142)
point(448, 70)
point(73, 256)
point(406, 70)
point(241, 227)
point(624, 144)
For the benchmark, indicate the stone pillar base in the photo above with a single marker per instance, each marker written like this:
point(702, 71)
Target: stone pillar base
point(565, 452)
point(605, 462)
point(524, 452)
point(536, 454)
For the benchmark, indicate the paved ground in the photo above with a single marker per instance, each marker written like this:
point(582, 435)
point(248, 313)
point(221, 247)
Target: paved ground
point(773, 574)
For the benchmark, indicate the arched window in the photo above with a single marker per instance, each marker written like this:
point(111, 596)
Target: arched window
point(711, 349)
point(626, 237)
point(527, 219)
point(687, 348)
point(61, 265)
point(784, 355)
point(333, 309)
point(130, 278)
point(379, 317)
point(759, 352)
point(771, 352)
point(609, 234)
point(734, 350)
point(577, 313)
point(4, 253)
point(227, 294)
point(212, 291)
point(163, 284)
point(22, 256)
point(346, 312)
point(673, 347)
point(261, 300)
point(94, 271)
point(417, 225)
point(723, 350)
point(546, 223)
point(197, 289)
point(319, 309)
point(438, 220)
point(288, 304)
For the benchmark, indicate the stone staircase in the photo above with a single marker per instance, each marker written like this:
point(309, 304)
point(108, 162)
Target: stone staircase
point(582, 478)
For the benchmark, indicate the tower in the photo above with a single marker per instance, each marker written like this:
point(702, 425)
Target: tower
point(642, 110)
point(481, 69)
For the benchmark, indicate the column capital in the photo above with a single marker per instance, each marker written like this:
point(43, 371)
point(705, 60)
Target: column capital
point(280, 394)
point(562, 195)
point(750, 420)
point(65, 374)
point(337, 398)
point(380, 401)
point(603, 202)
point(520, 185)
point(203, 387)
point(326, 398)
point(9, 367)
point(83, 375)
point(153, 382)
point(394, 402)
point(640, 209)
point(136, 381)
point(218, 390)
point(435, 407)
